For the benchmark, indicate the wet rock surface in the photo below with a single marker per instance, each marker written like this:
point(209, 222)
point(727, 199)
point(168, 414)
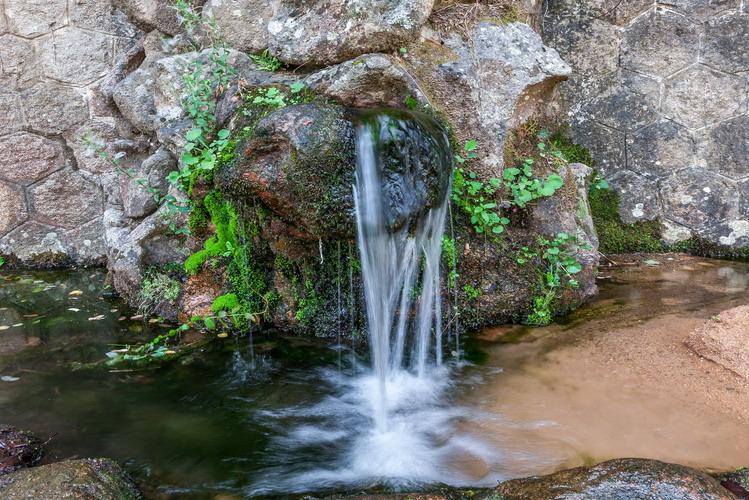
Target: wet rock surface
point(18, 449)
point(86, 479)
point(724, 339)
point(301, 160)
point(618, 479)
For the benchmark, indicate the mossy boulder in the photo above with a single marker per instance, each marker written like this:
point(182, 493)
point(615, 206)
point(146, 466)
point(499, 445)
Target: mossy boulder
point(86, 479)
point(300, 163)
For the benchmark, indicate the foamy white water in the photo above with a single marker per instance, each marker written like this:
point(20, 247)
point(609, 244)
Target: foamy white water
point(392, 424)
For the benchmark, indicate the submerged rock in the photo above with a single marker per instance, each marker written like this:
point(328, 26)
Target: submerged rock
point(621, 479)
point(86, 479)
point(724, 339)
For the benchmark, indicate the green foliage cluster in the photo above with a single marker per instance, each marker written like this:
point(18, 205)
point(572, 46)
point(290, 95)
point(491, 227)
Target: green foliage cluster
point(471, 292)
point(478, 198)
point(158, 287)
point(309, 302)
point(555, 259)
point(232, 242)
point(266, 61)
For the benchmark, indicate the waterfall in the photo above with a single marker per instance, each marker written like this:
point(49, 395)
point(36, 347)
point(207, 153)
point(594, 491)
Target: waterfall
point(391, 260)
point(395, 424)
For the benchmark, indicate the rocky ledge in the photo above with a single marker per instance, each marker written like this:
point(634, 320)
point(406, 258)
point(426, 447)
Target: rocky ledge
point(620, 479)
point(85, 479)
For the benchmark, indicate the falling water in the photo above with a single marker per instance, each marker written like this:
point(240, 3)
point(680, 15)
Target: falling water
point(390, 261)
point(395, 423)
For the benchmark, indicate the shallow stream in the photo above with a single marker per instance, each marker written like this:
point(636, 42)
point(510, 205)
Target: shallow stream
point(276, 415)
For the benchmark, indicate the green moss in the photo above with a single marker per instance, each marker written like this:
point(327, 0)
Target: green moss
point(226, 302)
point(573, 153)
point(614, 235)
point(309, 302)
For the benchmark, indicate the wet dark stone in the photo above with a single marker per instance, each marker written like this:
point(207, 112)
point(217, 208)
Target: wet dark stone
point(737, 482)
point(18, 449)
point(301, 162)
point(621, 479)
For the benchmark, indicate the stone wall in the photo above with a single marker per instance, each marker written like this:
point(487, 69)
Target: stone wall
point(55, 56)
point(659, 96)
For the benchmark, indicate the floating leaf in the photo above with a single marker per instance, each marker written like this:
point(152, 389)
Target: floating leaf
point(97, 318)
point(651, 262)
point(8, 378)
point(75, 293)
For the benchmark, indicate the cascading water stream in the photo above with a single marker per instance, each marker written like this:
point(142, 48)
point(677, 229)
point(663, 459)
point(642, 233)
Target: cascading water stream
point(389, 262)
point(396, 423)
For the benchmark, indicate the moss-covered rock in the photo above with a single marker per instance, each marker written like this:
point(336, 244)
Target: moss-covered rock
point(87, 479)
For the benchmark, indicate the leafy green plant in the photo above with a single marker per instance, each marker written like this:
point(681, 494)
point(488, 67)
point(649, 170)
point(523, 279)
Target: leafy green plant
point(558, 267)
point(266, 61)
point(525, 187)
point(2, 262)
point(472, 293)
point(476, 197)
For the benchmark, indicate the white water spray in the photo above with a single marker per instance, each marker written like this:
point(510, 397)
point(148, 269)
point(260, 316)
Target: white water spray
point(390, 261)
point(396, 424)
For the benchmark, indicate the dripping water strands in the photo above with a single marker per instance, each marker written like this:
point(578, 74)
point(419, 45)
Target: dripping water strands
point(395, 424)
point(390, 262)
point(339, 307)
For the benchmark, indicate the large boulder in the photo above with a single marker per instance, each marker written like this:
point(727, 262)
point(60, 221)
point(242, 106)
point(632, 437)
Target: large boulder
point(152, 97)
point(724, 339)
point(301, 160)
point(318, 32)
point(487, 81)
point(621, 479)
point(87, 479)
point(133, 247)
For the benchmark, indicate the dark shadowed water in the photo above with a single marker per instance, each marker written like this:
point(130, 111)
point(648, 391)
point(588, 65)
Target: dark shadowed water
point(282, 416)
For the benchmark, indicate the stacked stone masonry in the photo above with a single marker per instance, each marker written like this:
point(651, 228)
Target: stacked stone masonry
point(660, 95)
point(54, 57)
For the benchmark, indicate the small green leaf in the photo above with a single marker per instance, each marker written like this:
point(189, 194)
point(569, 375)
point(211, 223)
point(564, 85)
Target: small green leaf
point(223, 134)
point(296, 87)
point(193, 134)
point(470, 145)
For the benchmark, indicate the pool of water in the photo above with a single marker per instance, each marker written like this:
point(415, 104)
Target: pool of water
point(275, 415)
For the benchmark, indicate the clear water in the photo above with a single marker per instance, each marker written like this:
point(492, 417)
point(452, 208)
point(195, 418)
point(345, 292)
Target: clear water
point(279, 416)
